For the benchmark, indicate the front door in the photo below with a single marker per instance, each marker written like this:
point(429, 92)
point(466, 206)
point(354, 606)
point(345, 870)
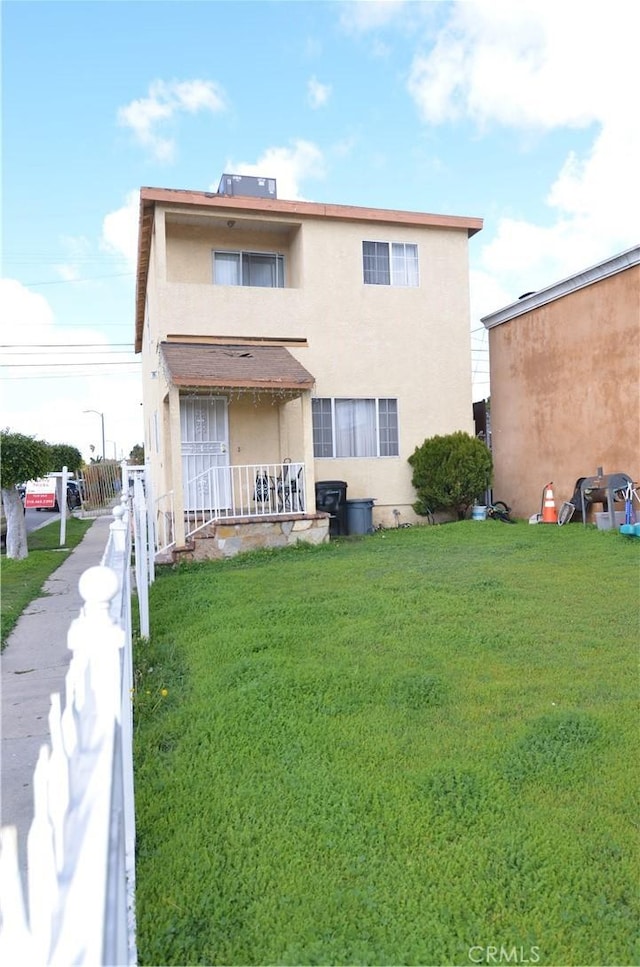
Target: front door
point(204, 432)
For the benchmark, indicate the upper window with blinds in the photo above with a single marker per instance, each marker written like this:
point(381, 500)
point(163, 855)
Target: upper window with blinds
point(248, 268)
point(390, 263)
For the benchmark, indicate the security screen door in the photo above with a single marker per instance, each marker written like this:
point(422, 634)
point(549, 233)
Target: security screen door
point(204, 432)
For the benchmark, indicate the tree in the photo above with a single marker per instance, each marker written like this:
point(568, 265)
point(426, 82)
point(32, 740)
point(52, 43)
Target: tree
point(450, 473)
point(136, 457)
point(64, 455)
point(22, 458)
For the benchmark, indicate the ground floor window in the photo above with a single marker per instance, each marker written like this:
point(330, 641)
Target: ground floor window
point(355, 427)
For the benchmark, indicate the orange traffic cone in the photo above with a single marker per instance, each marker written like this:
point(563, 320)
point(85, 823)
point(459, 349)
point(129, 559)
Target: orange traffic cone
point(549, 513)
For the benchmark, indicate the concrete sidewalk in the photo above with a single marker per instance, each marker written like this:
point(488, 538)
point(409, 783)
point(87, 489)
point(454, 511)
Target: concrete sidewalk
point(34, 664)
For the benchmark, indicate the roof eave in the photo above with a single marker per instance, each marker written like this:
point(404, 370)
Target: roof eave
point(213, 382)
point(596, 273)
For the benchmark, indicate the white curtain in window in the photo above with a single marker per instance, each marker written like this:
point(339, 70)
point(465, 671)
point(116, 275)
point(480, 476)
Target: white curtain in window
point(260, 270)
point(405, 264)
point(376, 263)
point(226, 268)
point(355, 428)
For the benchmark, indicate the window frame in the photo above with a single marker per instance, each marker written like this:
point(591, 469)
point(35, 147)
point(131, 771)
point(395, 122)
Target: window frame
point(391, 434)
point(248, 254)
point(398, 278)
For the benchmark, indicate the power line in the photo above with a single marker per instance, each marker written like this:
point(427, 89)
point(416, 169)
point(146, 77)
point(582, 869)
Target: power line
point(94, 278)
point(72, 351)
point(47, 259)
point(65, 352)
point(80, 325)
point(57, 345)
point(113, 362)
point(41, 376)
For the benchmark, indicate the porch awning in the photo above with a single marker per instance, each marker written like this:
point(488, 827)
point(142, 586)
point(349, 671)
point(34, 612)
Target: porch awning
point(234, 367)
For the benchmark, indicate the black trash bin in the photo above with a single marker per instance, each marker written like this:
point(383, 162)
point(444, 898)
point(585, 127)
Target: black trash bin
point(360, 516)
point(331, 498)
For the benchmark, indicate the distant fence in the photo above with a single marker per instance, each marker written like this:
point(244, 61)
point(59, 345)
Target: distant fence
point(101, 485)
point(81, 844)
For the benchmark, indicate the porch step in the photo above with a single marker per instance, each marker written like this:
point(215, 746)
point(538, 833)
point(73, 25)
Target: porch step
point(165, 557)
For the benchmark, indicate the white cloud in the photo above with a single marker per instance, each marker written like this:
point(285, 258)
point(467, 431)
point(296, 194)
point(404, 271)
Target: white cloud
point(318, 94)
point(43, 393)
point(120, 229)
point(24, 308)
point(539, 67)
point(595, 216)
point(68, 272)
point(525, 64)
point(164, 101)
point(365, 15)
point(78, 249)
point(289, 166)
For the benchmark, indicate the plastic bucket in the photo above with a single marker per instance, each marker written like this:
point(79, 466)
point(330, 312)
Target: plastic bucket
point(603, 521)
point(479, 512)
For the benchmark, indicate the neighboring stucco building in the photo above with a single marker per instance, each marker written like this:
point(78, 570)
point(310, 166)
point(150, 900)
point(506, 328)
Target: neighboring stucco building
point(565, 384)
point(288, 337)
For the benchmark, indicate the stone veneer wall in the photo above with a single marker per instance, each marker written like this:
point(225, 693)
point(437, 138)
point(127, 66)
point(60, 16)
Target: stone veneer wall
point(226, 540)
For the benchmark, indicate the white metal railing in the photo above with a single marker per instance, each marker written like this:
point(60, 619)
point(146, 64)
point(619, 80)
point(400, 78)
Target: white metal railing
point(81, 844)
point(242, 491)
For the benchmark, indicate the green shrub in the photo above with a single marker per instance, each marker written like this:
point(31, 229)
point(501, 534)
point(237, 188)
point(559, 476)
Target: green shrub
point(450, 473)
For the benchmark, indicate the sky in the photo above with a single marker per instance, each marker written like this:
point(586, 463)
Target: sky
point(520, 112)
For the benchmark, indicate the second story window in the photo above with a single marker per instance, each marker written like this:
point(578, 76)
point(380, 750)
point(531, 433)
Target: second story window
point(390, 263)
point(248, 268)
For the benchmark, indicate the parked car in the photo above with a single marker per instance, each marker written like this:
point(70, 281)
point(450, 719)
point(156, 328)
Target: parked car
point(74, 497)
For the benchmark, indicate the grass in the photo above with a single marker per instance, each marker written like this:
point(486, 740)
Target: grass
point(393, 749)
point(22, 580)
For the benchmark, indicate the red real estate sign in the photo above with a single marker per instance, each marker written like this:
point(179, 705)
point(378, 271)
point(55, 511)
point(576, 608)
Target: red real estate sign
point(41, 493)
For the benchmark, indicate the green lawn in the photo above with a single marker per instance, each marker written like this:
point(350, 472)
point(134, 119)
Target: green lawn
point(400, 749)
point(22, 580)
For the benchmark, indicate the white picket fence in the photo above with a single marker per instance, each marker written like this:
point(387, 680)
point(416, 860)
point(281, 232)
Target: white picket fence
point(81, 844)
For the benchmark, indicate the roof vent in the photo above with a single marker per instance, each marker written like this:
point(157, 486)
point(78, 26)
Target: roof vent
point(247, 185)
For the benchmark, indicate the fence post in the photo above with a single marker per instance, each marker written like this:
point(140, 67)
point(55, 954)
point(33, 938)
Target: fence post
point(94, 689)
point(126, 700)
point(16, 941)
point(141, 551)
point(63, 507)
point(152, 537)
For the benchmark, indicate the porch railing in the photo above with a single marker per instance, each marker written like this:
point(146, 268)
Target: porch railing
point(246, 490)
point(221, 493)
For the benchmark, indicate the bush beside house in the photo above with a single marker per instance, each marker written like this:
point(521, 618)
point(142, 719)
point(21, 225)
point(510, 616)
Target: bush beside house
point(450, 473)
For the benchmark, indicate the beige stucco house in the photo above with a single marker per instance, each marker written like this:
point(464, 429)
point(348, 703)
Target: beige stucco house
point(565, 384)
point(286, 343)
